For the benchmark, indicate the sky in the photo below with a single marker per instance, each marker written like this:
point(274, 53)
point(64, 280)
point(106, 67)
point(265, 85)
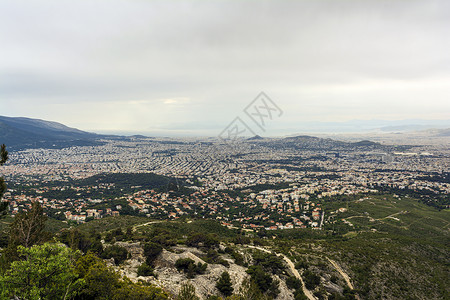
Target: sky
point(192, 67)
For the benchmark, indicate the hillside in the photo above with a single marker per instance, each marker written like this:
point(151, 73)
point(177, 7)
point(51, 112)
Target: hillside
point(34, 133)
point(374, 247)
point(379, 247)
point(311, 143)
point(388, 247)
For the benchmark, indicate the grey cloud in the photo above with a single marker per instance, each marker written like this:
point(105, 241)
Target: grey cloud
point(222, 53)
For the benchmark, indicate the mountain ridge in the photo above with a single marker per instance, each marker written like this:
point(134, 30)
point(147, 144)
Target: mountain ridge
point(21, 132)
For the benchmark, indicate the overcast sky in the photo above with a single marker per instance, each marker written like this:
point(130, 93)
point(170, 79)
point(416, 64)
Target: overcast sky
point(193, 66)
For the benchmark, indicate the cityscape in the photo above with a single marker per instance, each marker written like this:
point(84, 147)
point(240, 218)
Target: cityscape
point(279, 187)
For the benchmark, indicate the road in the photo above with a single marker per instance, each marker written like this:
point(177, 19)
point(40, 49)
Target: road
point(294, 271)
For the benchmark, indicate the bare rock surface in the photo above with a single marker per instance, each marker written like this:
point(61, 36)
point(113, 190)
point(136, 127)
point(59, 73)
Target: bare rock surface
point(170, 279)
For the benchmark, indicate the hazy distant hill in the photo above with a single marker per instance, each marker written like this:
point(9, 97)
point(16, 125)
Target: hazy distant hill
point(444, 132)
point(256, 137)
point(405, 128)
point(315, 143)
point(30, 133)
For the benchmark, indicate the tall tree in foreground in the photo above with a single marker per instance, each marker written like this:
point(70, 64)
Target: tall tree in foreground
point(3, 159)
point(102, 282)
point(27, 229)
point(42, 272)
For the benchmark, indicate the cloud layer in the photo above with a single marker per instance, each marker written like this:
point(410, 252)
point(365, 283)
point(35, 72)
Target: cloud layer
point(194, 65)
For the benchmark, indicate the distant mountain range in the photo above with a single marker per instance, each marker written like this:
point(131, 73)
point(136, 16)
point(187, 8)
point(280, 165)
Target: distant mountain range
point(23, 133)
point(305, 142)
point(362, 126)
point(444, 132)
point(34, 133)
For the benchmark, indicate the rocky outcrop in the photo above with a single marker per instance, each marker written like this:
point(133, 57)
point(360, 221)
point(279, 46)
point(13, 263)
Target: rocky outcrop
point(171, 280)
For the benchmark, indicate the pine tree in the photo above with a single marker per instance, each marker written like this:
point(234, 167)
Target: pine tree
point(3, 159)
point(187, 292)
point(27, 229)
point(224, 284)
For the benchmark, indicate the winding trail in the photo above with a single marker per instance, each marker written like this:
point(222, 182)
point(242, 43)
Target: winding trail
point(294, 271)
point(343, 274)
point(145, 224)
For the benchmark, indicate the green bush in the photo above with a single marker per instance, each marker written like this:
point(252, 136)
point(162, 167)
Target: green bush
point(293, 283)
point(213, 257)
point(311, 280)
point(301, 264)
point(151, 252)
point(261, 278)
point(42, 272)
point(269, 262)
point(189, 267)
point(202, 240)
point(145, 270)
point(120, 254)
point(224, 284)
point(102, 282)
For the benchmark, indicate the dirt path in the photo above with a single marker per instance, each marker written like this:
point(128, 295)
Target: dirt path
point(393, 215)
point(294, 271)
point(343, 274)
point(145, 224)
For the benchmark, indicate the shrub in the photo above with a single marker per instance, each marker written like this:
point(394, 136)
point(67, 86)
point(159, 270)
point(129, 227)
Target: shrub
point(120, 254)
point(42, 272)
point(151, 252)
point(145, 270)
point(202, 240)
point(187, 292)
point(269, 262)
point(311, 280)
point(261, 278)
point(301, 264)
point(293, 283)
point(188, 266)
point(224, 284)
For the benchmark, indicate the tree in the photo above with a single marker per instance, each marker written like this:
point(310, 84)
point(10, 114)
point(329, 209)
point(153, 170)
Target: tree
point(188, 266)
point(249, 291)
point(102, 282)
point(269, 262)
point(145, 270)
point(293, 283)
point(27, 229)
point(261, 278)
point(224, 284)
point(42, 272)
point(202, 240)
point(300, 295)
point(311, 280)
point(151, 252)
point(138, 291)
point(79, 240)
point(187, 292)
point(3, 159)
point(120, 254)
point(274, 289)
